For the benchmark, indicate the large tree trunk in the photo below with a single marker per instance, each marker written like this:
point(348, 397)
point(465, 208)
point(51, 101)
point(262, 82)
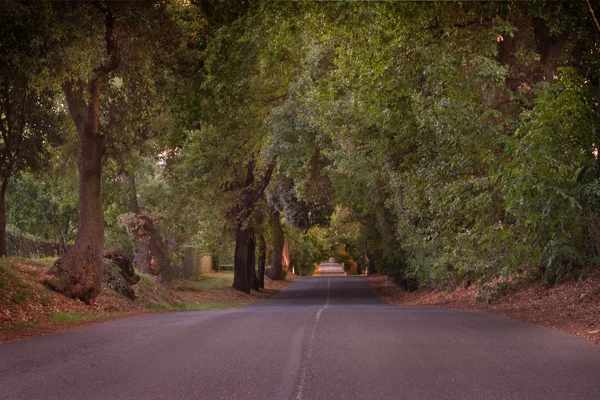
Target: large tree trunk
point(3, 217)
point(240, 262)
point(79, 273)
point(262, 260)
point(252, 278)
point(251, 193)
point(278, 243)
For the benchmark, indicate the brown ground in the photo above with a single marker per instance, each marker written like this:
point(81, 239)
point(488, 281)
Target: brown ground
point(28, 309)
point(569, 306)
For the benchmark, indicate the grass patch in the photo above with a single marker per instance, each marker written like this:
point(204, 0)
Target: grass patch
point(20, 327)
point(201, 284)
point(72, 317)
point(207, 306)
point(215, 280)
point(13, 289)
point(190, 306)
point(44, 262)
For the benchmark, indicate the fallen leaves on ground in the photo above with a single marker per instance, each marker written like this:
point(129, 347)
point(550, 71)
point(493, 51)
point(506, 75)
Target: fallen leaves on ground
point(28, 309)
point(569, 306)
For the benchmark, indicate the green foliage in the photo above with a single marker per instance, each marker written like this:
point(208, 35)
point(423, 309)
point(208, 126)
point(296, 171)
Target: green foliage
point(449, 140)
point(447, 171)
point(307, 249)
point(550, 180)
point(44, 206)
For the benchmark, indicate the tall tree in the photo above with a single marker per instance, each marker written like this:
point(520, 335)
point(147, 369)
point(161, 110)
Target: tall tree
point(116, 53)
point(79, 272)
point(245, 242)
point(278, 236)
point(29, 113)
point(225, 159)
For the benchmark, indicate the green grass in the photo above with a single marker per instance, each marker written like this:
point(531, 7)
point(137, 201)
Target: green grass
point(149, 282)
point(204, 283)
point(19, 327)
point(20, 291)
point(43, 262)
point(75, 317)
point(72, 317)
point(6, 275)
point(190, 306)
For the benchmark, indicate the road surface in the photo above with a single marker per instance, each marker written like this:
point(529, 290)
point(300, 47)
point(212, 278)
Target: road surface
point(330, 269)
point(321, 338)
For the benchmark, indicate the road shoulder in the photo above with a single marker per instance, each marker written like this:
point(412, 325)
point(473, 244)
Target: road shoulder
point(570, 306)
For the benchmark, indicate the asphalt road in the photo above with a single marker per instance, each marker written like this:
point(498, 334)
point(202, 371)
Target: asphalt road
point(321, 338)
point(330, 269)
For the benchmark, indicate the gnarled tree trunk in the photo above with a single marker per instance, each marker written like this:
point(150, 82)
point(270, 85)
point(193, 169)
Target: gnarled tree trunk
point(151, 255)
point(79, 273)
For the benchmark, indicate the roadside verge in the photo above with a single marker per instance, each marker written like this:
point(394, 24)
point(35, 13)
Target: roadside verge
point(569, 306)
point(28, 309)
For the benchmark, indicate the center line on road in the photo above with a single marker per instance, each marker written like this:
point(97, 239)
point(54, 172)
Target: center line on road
point(310, 343)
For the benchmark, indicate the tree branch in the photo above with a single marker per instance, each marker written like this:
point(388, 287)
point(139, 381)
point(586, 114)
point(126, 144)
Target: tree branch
point(76, 104)
point(112, 48)
point(264, 182)
point(7, 113)
point(101, 72)
point(594, 19)
point(273, 100)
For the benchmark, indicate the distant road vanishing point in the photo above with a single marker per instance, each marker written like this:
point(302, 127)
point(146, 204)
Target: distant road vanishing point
point(330, 268)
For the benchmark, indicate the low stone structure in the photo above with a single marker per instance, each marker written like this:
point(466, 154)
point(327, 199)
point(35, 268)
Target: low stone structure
point(23, 246)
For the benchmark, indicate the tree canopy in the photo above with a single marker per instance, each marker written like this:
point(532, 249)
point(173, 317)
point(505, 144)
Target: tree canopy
point(435, 142)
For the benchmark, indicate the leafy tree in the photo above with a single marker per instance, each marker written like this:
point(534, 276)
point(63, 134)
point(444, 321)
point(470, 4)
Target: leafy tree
point(224, 163)
point(117, 46)
point(44, 205)
point(30, 115)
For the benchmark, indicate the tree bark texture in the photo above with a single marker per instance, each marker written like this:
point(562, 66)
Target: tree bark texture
point(150, 254)
point(262, 260)
point(125, 265)
point(240, 262)
point(252, 278)
point(251, 192)
point(3, 217)
point(79, 273)
point(278, 243)
point(12, 129)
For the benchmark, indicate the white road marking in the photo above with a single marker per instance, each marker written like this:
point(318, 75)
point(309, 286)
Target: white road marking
point(310, 343)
